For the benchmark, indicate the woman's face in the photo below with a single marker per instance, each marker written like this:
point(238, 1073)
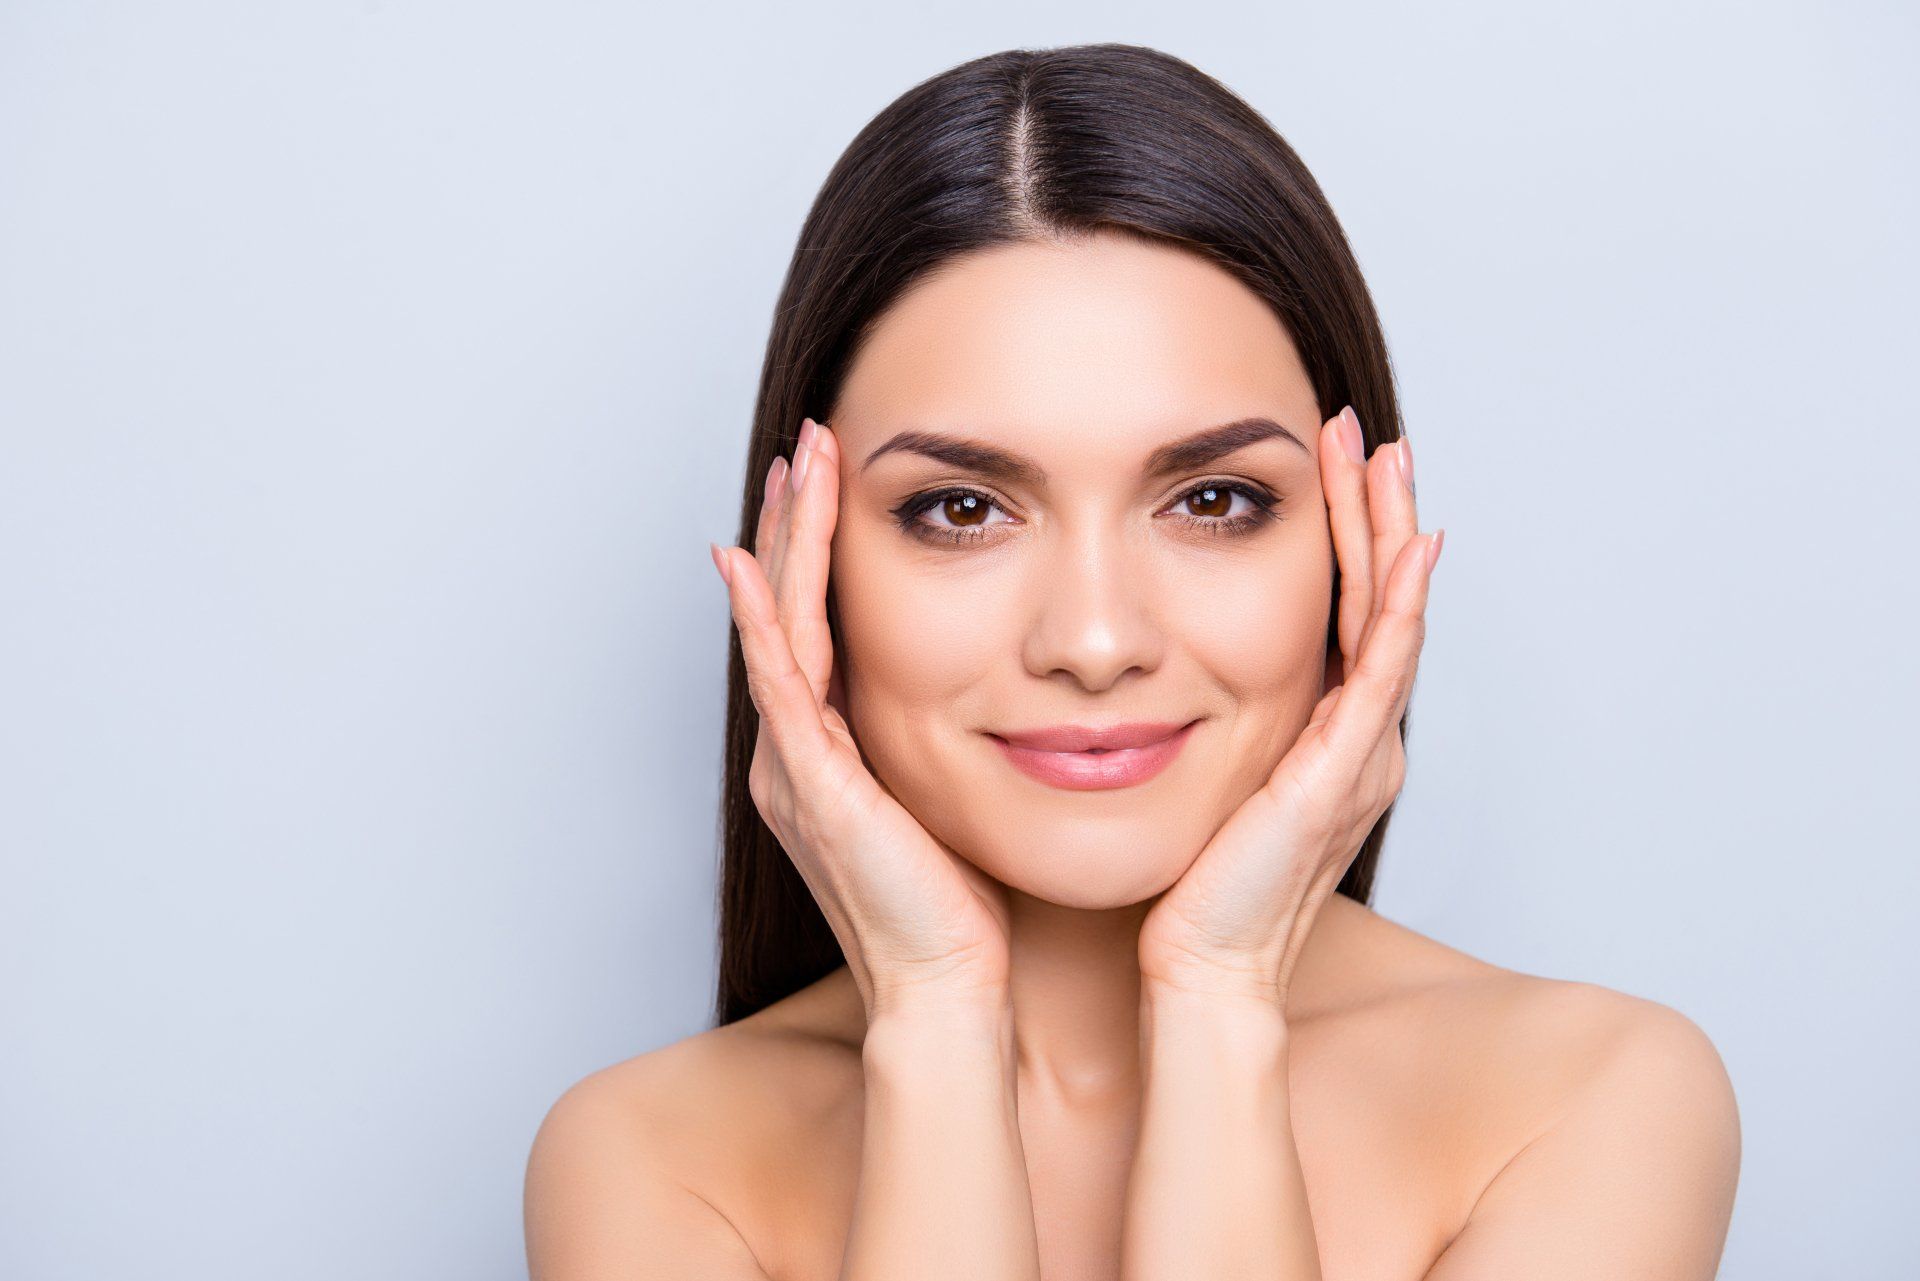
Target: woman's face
point(1070, 566)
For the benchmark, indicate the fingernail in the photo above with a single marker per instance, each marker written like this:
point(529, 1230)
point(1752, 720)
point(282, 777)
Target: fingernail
point(1433, 548)
point(798, 475)
point(1350, 438)
point(803, 446)
point(720, 563)
point(1406, 462)
point(773, 480)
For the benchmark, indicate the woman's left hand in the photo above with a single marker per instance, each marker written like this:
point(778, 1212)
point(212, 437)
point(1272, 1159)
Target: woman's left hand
point(1234, 923)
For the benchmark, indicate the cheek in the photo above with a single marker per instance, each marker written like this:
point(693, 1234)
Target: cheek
point(909, 641)
point(1260, 625)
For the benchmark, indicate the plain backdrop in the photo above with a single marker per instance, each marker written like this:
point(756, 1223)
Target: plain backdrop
point(373, 376)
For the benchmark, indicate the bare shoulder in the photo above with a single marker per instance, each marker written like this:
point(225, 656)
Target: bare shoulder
point(663, 1159)
point(1566, 1032)
point(1610, 1120)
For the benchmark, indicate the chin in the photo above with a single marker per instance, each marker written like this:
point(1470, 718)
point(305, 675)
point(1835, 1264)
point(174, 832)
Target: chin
point(1075, 858)
point(1092, 849)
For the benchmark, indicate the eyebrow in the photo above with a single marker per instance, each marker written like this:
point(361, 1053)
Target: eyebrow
point(1186, 454)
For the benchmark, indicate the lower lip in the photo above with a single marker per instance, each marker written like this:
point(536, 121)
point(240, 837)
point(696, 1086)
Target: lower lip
point(1095, 771)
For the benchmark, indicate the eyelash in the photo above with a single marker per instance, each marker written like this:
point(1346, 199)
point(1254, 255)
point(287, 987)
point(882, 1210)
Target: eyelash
point(1266, 507)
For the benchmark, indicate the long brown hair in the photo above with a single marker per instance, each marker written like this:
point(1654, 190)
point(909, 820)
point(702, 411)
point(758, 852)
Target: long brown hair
point(1023, 145)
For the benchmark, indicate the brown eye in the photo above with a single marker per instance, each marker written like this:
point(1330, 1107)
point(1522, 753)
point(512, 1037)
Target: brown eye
point(965, 509)
point(1210, 500)
point(1209, 507)
point(950, 515)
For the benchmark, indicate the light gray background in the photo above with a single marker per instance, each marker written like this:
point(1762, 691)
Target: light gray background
point(373, 376)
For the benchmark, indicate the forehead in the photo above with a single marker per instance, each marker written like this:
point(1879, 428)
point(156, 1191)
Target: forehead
point(1110, 338)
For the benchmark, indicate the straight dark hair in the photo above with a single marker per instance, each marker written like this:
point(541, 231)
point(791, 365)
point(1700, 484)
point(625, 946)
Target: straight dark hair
point(1024, 145)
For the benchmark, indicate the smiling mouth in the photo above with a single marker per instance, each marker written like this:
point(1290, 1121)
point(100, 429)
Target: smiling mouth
point(1065, 758)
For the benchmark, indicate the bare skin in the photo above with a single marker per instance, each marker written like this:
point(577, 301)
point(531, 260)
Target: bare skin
point(1127, 1032)
point(1417, 1072)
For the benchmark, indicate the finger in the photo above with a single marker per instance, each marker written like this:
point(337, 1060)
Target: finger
point(1344, 477)
point(802, 588)
point(1390, 505)
point(1381, 682)
point(771, 489)
point(784, 522)
point(1323, 710)
point(789, 710)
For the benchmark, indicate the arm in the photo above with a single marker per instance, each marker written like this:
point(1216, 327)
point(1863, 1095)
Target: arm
point(943, 1178)
point(1216, 1188)
point(1635, 1178)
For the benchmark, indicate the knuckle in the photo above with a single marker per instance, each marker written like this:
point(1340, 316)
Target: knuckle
point(1396, 773)
point(773, 797)
point(760, 690)
point(1390, 682)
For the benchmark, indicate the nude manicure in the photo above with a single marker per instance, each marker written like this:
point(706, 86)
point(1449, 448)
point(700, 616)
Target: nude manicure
point(1350, 437)
point(801, 453)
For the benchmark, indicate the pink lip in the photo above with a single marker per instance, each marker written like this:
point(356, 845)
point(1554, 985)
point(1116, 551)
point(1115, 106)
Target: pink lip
point(1059, 755)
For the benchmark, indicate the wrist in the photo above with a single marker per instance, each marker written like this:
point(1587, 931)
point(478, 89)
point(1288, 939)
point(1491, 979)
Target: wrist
point(925, 1015)
point(1192, 984)
point(1213, 998)
point(934, 1000)
point(946, 1050)
point(1226, 1044)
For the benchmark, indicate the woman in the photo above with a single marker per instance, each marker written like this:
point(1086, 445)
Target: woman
point(1053, 808)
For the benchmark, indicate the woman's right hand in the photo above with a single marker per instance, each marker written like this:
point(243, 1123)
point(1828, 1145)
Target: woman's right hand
point(916, 921)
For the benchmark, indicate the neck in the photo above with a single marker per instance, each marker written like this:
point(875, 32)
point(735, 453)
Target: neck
point(1076, 993)
point(1076, 998)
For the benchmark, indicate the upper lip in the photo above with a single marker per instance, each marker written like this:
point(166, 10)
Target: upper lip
point(1080, 738)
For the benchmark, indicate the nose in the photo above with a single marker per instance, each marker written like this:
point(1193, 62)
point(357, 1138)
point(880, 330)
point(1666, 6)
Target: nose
point(1093, 617)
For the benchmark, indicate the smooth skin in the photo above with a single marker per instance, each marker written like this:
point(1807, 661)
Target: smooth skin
point(1127, 1033)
